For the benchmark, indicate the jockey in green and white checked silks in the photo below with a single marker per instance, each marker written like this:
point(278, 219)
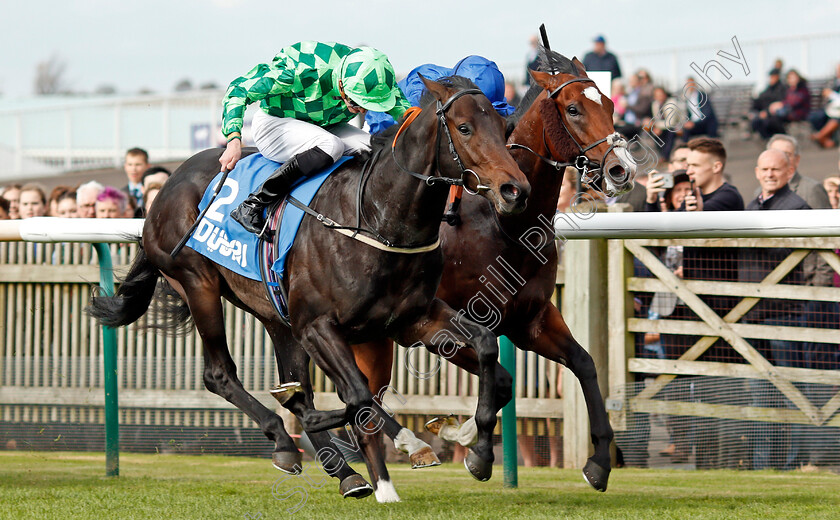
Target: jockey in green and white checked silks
point(307, 95)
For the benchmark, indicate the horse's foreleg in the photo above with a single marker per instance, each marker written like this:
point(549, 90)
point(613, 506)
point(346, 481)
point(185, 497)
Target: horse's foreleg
point(554, 341)
point(293, 366)
point(446, 332)
point(333, 354)
point(374, 359)
point(220, 377)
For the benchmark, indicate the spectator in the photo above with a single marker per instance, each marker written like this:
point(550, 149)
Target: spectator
point(832, 188)
point(794, 107)
point(151, 192)
point(33, 201)
point(4, 209)
point(602, 59)
point(705, 164)
point(679, 157)
point(775, 91)
point(772, 172)
point(532, 59)
point(86, 195)
point(66, 205)
point(619, 99)
point(666, 109)
point(809, 189)
point(52, 206)
point(666, 199)
point(111, 203)
point(512, 95)
point(640, 100)
point(156, 175)
point(136, 162)
point(703, 123)
point(826, 121)
point(12, 194)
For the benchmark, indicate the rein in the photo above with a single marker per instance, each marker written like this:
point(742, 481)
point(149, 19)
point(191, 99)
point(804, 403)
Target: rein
point(378, 241)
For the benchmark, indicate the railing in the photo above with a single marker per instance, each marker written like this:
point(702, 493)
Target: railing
point(51, 358)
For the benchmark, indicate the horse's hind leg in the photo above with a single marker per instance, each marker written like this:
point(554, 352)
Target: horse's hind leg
point(436, 331)
point(220, 375)
point(335, 357)
point(293, 366)
point(554, 341)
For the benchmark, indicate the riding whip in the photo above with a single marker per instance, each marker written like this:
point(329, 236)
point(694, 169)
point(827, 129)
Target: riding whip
point(189, 233)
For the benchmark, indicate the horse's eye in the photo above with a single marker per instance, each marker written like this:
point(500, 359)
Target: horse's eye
point(572, 110)
point(464, 129)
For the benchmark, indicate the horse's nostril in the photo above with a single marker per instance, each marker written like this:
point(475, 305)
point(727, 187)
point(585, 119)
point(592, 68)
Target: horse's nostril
point(618, 174)
point(512, 192)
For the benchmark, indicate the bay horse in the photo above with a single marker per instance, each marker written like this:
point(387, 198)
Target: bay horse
point(564, 120)
point(339, 291)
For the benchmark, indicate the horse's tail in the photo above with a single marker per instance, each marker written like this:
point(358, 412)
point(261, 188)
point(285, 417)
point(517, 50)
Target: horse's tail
point(134, 297)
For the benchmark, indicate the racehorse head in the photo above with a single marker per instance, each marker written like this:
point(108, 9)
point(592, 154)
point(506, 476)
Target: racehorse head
point(578, 125)
point(471, 137)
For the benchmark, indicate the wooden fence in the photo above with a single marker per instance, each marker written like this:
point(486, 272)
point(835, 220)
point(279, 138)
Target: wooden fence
point(51, 366)
point(624, 365)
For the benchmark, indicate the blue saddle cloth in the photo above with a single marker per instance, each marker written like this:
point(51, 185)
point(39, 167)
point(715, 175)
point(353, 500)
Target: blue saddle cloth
point(224, 241)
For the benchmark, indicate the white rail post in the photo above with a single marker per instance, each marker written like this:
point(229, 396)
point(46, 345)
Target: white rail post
point(584, 297)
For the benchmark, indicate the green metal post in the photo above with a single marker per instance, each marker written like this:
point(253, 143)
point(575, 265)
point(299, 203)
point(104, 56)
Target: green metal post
point(507, 356)
point(109, 336)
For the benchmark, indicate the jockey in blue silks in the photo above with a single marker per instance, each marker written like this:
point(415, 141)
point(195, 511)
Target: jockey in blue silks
point(481, 71)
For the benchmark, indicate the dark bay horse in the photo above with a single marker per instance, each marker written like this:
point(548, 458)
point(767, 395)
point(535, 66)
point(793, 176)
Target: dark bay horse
point(341, 291)
point(560, 119)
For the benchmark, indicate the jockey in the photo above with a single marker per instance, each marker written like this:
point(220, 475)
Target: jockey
point(481, 71)
point(307, 95)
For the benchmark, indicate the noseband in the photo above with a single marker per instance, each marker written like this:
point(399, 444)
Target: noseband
point(583, 164)
point(443, 129)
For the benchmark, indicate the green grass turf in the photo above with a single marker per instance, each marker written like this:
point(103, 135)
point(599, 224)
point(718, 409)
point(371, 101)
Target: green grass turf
point(72, 485)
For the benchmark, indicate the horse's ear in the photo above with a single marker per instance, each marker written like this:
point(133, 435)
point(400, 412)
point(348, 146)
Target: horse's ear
point(437, 90)
point(580, 68)
point(542, 78)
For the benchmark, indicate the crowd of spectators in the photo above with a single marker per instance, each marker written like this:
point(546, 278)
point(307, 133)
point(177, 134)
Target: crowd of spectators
point(90, 199)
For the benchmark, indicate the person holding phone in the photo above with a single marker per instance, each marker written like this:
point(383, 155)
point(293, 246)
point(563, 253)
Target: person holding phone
point(666, 191)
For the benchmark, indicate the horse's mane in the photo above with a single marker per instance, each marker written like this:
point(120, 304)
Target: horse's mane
point(548, 61)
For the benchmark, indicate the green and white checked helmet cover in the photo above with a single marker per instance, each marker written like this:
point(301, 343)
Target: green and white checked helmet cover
point(368, 79)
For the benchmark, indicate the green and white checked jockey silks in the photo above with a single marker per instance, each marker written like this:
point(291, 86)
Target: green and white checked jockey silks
point(301, 82)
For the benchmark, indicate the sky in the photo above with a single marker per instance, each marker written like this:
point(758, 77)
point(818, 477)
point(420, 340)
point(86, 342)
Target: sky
point(153, 44)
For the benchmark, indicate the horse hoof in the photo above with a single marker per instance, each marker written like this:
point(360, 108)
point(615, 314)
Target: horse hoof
point(355, 486)
point(288, 461)
point(433, 426)
point(479, 468)
point(284, 393)
point(596, 475)
point(424, 458)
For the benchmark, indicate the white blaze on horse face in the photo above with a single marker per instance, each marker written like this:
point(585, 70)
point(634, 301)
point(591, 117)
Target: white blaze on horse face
point(593, 93)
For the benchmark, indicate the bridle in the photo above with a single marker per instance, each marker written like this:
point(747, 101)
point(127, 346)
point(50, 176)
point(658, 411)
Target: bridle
point(443, 129)
point(583, 164)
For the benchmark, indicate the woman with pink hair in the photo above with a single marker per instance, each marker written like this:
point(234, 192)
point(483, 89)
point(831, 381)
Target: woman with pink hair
point(111, 203)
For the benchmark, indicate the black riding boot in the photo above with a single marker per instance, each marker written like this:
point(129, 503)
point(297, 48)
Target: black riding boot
point(250, 212)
